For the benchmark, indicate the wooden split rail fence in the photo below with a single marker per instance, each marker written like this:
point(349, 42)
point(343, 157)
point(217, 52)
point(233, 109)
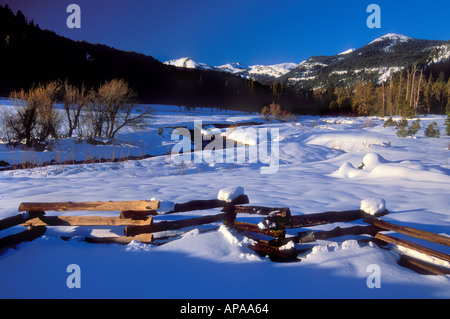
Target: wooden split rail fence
point(269, 237)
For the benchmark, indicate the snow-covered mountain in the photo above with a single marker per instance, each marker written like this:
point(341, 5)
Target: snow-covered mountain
point(187, 63)
point(262, 73)
point(376, 61)
point(275, 70)
point(392, 37)
point(347, 52)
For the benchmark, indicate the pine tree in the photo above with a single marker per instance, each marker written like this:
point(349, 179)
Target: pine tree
point(447, 124)
point(432, 130)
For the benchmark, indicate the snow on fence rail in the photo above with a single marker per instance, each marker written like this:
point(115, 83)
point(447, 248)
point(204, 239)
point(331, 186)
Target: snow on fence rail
point(269, 237)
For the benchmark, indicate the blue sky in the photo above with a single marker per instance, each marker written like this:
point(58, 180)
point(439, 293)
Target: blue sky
point(250, 31)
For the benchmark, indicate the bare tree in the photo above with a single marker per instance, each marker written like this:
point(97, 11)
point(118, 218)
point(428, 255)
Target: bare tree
point(18, 125)
point(49, 119)
point(113, 107)
point(35, 117)
point(73, 101)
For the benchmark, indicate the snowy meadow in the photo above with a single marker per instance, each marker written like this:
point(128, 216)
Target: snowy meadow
point(322, 164)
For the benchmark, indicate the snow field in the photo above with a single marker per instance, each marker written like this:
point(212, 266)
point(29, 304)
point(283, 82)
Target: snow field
point(319, 160)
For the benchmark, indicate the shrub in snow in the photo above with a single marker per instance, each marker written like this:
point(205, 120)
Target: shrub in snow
point(389, 122)
point(414, 128)
point(35, 118)
point(112, 107)
point(432, 130)
point(276, 112)
point(403, 130)
point(373, 206)
point(230, 193)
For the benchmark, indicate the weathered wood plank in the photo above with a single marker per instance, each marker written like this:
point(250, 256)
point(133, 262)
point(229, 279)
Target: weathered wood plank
point(29, 234)
point(19, 219)
point(209, 204)
point(242, 226)
point(339, 232)
point(85, 221)
point(122, 240)
point(137, 214)
point(178, 224)
point(187, 207)
point(417, 233)
point(422, 267)
point(91, 206)
point(309, 220)
point(262, 210)
point(413, 246)
point(275, 253)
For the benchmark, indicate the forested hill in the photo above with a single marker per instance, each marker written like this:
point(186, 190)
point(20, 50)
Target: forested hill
point(31, 56)
point(377, 62)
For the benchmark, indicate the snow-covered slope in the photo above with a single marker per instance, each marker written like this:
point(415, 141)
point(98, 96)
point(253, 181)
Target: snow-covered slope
point(392, 37)
point(234, 68)
point(347, 52)
point(440, 53)
point(275, 70)
point(187, 63)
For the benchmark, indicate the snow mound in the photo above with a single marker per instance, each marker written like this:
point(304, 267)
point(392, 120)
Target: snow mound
point(346, 142)
point(375, 166)
point(228, 194)
point(373, 206)
point(290, 245)
point(164, 206)
point(137, 246)
point(372, 160)
point(247, 136)
point(350, 244)
point(347, 170)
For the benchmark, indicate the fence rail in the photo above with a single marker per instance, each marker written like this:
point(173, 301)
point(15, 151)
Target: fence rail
point(269, 237)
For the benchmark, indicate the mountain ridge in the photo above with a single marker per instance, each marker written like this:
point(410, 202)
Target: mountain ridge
point(258, 72)
point(376, 61)
point(383, 53)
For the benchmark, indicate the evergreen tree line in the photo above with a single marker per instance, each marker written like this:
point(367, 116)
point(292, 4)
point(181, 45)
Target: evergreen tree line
point(406, 93)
